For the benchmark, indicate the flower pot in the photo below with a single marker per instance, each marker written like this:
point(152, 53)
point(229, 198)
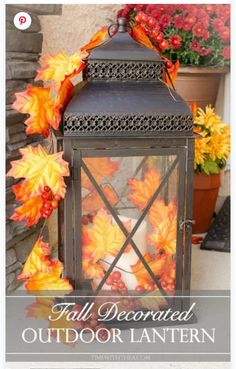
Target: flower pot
point(205, 192)
point(199, 84)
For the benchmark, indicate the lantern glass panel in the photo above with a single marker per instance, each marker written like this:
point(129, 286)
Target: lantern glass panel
point(130, 191)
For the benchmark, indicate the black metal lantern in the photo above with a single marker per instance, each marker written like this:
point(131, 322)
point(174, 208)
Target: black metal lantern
point(128, 208)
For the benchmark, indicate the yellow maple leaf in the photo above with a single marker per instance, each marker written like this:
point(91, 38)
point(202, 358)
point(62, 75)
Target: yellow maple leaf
point(38, 259)
point(47, 281)
point(43, 110)
point(105, 237)
point(40, 169)
point(165, 233)
point(159, 212)
point(143, 190)
point(40, 309)
point(57, 67)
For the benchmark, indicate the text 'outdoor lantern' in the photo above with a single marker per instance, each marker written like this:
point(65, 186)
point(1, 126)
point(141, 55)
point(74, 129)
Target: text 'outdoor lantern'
point(126, 220)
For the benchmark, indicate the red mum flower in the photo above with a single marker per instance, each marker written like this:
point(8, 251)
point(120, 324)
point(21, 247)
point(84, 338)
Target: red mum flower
point(225, 34)
point(199, 30)
point(186, 26)
point(179, 22)
point(195, 45)
point(191, 19)
point(204, 52)
point(223, 11)
point(175, 41)
point(218, 24)
point(165, 20)
point(226, 53)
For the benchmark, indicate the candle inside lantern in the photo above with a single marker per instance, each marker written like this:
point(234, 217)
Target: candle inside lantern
point(129, 258)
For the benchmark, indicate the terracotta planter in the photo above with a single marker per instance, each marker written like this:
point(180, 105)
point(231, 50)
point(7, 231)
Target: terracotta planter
point(199, 84)
point(205, 192)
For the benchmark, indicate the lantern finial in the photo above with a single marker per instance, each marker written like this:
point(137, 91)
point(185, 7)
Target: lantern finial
point(122, 25)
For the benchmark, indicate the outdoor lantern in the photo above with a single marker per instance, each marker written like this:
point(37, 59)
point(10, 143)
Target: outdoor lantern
point(125, 224)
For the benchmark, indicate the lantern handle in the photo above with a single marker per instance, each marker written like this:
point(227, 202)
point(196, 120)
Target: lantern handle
point(173, 97)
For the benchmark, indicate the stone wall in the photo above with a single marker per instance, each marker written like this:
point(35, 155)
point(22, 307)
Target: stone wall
point(23, 49)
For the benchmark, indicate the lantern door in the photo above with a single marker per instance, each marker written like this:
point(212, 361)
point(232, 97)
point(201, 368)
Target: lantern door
point(128, 207)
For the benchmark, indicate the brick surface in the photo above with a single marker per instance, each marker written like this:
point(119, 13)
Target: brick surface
point(10, 257)
point(17, 69)
point(23, 42)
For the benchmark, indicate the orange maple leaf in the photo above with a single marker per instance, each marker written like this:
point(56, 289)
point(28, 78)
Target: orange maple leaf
point(65, 91)
point(40, 169)
point(43, 110)
point(142, 38)
point(56, 68)
point(96, 39)
point(29, 211)
point(143, 190)
point(100, 168)
point(157, 264)
point(38, 259)
point(193, 106)
point(165, 233)
point(93, 202)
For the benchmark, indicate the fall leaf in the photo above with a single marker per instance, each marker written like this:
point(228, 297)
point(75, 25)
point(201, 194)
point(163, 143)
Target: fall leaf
point(92, 270)
point(193, 106)
point(43, 110)
point(96, 39)
point(142, 38)
point(93, 201)
point(47, 281)
point(157, 264)
point(143, 190)
point(29, 211)
point(159, 212)
point(64, 92)
point(40, 309)
point(63, 325)
point(40, 169)
point(57, 67)
point(153, 301)
point(105, 237)
point(165, 233)
point(38, 259)
point(100, 168)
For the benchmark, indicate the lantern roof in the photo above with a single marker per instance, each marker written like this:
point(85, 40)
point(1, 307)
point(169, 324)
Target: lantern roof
point(125, 94)
point(122, 46)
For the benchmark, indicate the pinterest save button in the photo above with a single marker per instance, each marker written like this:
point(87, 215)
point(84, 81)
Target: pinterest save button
point(22, 20)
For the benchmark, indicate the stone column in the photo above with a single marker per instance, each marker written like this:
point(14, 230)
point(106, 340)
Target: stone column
point(23, 49)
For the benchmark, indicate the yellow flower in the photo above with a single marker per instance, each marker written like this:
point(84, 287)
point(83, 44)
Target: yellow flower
point(201, 150)
point(210, 120)
point(219, 145)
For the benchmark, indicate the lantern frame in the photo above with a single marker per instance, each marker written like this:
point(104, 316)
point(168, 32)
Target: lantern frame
point(109, 107)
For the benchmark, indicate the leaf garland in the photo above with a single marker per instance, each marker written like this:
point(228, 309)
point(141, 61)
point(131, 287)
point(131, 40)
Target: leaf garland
point(41, 273)
point(55, 68)
point(43, 110)
point(39, 169)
